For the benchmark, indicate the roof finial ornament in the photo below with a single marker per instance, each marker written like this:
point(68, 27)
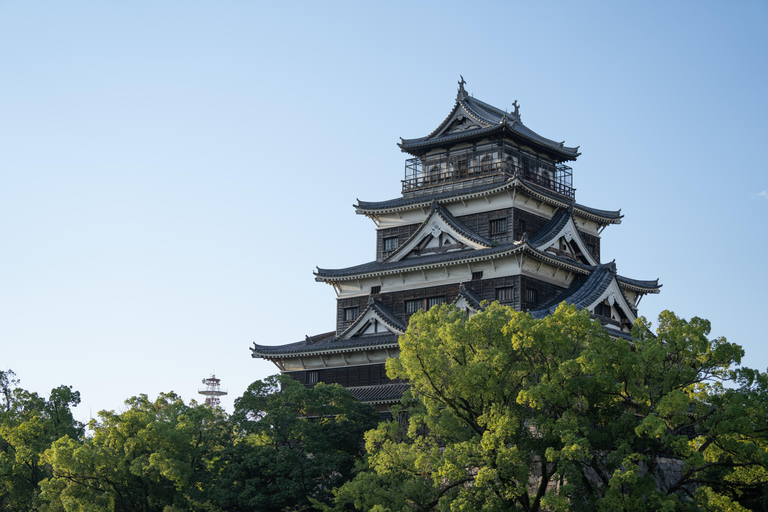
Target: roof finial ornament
point(462, 93)
point(517, 110)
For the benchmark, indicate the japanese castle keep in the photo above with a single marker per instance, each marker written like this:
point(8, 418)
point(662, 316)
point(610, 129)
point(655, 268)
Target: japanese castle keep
point(487, 212)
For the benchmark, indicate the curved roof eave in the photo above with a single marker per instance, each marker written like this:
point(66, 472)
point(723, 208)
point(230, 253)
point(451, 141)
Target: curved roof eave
point(491, 119)
point(640, 286)
point(330, 346)
point(370, 269)
point(413, 203)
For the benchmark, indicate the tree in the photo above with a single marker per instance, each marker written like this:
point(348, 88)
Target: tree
point(295, 446)
point(514, 413)
point(155, 456)
point(29, 424)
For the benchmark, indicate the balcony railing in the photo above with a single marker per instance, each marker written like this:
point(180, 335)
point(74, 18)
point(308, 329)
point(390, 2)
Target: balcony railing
point(416, 177)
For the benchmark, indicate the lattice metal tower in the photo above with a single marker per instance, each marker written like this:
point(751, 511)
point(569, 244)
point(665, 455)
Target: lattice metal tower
point(212, 391)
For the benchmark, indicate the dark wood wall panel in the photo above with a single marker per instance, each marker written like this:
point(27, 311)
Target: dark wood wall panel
point(403, 233)
point(533, 223)
point(594, 241)
point(480, 224)
point(395, 302)
point(347, 376)
point(545, 292)
point(486, 289)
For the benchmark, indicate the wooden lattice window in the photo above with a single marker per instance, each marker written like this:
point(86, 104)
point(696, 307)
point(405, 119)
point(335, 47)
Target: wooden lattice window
point(435, 301)
point(375, 290)
point(313, 377)
point(391, 243)
point(412, 306)
point(350, 314)
point(476, 276)
point(531, 296)
point(603, 310)
point(497, 226)
point(505, 294)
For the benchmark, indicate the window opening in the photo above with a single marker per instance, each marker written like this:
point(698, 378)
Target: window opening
point(504, 295)
point(391, 243)
point(412, 306)
point(497, 226)
point(350, 314)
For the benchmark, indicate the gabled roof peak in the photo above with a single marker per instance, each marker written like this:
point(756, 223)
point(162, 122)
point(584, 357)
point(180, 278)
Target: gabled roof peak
point(471, 119)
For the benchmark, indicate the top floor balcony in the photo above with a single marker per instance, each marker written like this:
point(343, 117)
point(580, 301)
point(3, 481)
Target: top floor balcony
point(468, 167)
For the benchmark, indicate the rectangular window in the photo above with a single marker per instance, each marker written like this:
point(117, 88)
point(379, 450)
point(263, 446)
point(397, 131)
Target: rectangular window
point(435, 301)
point(391, 243)
point(476, 276)
point(375, 290)
point(412, 306)
point(531, 296)
point(591, 248)
point(603, 309)
point(504, 295)
point(350, 314)
point(497, 226)
point(312, 377)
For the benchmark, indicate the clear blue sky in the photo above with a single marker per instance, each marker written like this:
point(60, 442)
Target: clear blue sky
point(172, 172)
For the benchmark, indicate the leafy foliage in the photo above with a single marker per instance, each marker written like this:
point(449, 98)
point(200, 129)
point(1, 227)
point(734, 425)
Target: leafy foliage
point(155, 455)
point(29, 424)
point(514, 413)
point(279, 451)
point(296, 445)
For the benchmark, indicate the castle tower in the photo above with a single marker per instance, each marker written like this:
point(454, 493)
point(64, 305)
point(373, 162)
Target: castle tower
point(487, 212)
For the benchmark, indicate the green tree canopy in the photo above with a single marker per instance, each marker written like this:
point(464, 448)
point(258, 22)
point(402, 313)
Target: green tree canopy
point(281, 449)
point(296, 445)
point(155, 456)
point(515, 413)
point(29, 424)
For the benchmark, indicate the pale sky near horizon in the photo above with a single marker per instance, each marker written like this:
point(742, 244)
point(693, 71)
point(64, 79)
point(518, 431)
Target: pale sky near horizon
point(172, 172)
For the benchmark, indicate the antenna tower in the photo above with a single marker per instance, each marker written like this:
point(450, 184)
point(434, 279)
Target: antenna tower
point(212, 391)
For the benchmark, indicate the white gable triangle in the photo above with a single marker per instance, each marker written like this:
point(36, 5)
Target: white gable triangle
point(616, 301)
point(369, 323)
point(436, 234)
point(570, 235)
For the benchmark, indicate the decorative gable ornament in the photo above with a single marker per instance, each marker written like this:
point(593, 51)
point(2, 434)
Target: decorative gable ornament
point(439, 225)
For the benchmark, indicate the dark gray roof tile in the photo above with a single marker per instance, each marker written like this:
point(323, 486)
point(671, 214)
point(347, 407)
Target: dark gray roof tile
point(648, 286)
point(584, 290)
point(331, 344)
point(550, 230)
point(609, 216)
point(383, 393)
point(490, 119)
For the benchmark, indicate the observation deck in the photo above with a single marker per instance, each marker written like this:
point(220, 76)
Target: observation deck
point(470, 167)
